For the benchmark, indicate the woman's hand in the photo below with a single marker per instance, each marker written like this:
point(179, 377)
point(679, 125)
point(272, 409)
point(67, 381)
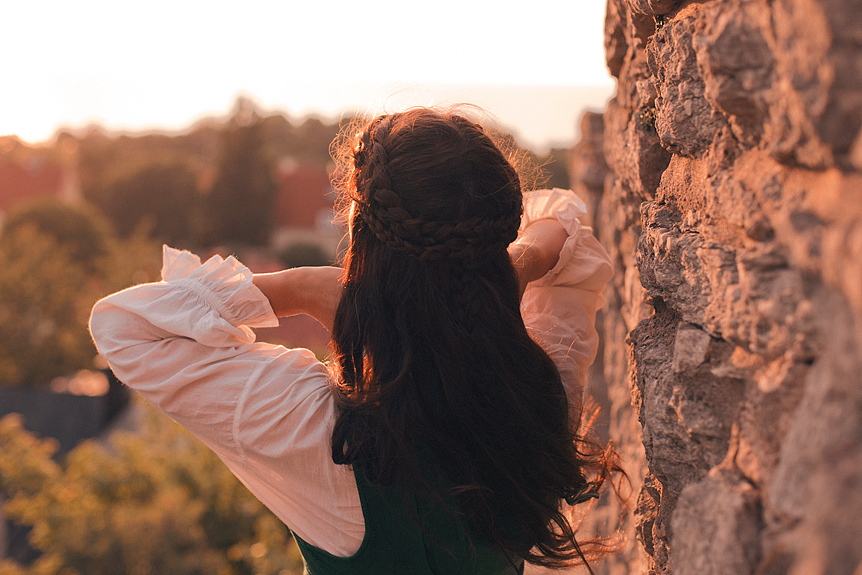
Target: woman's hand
point(315, 291)
point(537, 250)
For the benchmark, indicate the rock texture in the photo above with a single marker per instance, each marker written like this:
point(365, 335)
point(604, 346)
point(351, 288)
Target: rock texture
point(729, 196)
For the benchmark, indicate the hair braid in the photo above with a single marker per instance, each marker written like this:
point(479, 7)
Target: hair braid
point(383, 211)
point(468, 300)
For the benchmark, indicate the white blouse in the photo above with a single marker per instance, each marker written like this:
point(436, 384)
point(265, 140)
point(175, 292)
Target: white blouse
point(186, 345)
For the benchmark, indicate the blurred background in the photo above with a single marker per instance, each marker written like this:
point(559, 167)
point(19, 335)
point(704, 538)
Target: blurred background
point(207, 126)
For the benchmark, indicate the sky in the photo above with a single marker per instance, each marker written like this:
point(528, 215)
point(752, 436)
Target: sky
point(162, 64)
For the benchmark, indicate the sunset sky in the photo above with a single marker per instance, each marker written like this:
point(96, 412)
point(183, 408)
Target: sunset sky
point(164, 63)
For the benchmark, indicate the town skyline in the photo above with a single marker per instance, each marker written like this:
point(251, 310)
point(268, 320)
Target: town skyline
point(162, 66)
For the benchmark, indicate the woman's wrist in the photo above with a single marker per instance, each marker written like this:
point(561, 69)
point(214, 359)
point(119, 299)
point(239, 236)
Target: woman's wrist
point(537, 250)
point(314, 291)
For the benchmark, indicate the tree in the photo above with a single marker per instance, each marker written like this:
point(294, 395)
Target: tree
point(57, 260)
point(163, 197)
point(241, 204)
point(555, 168)
point(43, 296)
point(82, 232)
point(157, 502)
point(303, 254)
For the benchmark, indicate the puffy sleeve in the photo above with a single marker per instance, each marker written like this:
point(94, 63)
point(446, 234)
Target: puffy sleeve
point(560, 308)
point(186, 344)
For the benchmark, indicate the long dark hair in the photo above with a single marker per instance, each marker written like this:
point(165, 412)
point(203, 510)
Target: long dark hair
point(432, 353)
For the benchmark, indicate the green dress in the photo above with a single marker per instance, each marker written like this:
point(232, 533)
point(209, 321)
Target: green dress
point(395, 543)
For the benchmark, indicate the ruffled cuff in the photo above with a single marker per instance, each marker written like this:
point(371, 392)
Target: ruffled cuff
point(564, 206)
point(225, 284)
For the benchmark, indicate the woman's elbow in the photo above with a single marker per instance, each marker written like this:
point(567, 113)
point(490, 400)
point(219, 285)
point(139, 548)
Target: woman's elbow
point(104, 323)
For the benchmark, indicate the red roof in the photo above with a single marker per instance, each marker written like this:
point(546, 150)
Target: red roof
point(303, 192)
point(22, 183)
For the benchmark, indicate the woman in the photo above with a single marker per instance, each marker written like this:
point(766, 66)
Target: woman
point(443, 436)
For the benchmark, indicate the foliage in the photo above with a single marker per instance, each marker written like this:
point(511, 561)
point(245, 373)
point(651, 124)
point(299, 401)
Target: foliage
point(232, 165)
point(554, 166)
point(163, 197)
point(303, 254)
point(43, 295)
point(79, 229)
point(241, 205)
point(153, 503)
point(308, 143)
point(103, 160)
point(57, 260)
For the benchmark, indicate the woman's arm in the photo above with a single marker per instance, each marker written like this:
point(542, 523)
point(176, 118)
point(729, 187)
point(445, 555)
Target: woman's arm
point(311, 290)
point(566, 269)
point(537, 250)
point(187, 345)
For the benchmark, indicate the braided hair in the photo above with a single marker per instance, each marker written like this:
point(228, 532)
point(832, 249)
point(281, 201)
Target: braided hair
point(431, 352)
point(462, 237)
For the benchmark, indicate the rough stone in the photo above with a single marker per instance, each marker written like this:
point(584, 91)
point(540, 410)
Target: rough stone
point(685, 121)
point(732, 348)
point(737, 67)
point(726, 544)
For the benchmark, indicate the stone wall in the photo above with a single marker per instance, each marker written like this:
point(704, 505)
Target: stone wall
point(729, 197)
